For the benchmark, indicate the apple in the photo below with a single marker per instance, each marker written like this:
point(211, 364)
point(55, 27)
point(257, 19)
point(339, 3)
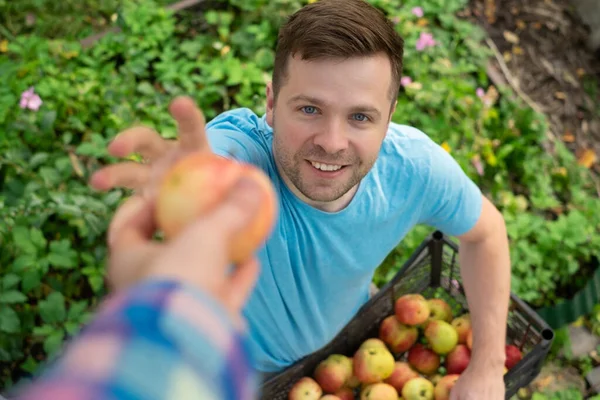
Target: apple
point(333, 372)
point(305, 389)
point(411, 309)
point(330, 397)
point(373, 364)
point(469, 342)
point(423, 359)
point(439, 310)
point(378, 391)
point(462, 324)
point(441, 336)
point(397, 336)
point(513, 356)
point(198, 183)
point(435, 378)
point(418, 389)
point(401, 374)
point(345, 394)
point(444, 386)
point(353, 382)
point(458, 359)
point(373, 342)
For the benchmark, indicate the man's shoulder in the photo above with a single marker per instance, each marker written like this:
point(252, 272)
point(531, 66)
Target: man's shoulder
point(408, 143)
point(242, 119)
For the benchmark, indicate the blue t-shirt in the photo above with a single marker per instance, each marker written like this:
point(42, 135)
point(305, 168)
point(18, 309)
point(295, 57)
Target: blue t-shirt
point(316, 267)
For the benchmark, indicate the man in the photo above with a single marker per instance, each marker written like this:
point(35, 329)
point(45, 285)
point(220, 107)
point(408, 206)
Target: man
point(351, 184)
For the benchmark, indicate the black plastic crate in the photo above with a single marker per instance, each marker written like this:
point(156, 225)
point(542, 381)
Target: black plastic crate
point(433, 266)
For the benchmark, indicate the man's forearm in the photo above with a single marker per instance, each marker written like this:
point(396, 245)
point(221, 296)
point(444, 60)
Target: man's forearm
point(485, 269)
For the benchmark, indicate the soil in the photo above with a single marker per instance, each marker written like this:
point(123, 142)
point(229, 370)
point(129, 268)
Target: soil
point(541, 47)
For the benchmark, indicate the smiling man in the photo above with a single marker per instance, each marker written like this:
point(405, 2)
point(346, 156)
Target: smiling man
point(351, 185)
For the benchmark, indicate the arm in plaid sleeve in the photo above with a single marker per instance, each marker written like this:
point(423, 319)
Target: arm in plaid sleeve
point(159, 340)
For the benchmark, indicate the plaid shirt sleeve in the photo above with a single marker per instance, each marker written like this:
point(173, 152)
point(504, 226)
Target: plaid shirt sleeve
point(160, 340)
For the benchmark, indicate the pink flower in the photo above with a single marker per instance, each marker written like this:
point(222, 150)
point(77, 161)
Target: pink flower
point(405, 81)
point(480, 92)
point(418, 11)
point(425, 40)
point(30, 100)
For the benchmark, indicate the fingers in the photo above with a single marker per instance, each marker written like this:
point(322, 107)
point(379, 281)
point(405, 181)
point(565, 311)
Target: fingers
point(240, 285)
point(127, 174)
point(143, 140)
point(132, 224)
point(191, 124)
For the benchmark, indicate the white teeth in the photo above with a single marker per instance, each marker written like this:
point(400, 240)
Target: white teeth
point(325, 167)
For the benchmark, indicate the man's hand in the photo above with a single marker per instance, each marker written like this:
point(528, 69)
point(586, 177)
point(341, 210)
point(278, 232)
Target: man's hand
point(159, 155)
point(478, 383)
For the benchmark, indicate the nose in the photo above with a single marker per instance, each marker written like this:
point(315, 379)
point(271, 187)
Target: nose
point(332, 137)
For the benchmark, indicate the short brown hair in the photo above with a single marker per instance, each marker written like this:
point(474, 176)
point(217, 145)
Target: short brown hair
point(338, 29)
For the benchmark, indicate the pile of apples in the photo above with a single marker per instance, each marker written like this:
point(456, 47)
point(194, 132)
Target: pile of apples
point(420, 352)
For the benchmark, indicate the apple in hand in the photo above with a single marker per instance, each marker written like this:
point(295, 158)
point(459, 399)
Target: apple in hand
point(397, 336)
point(378, 391)
point(424, 360)
point(373, 364)
point(418, 389)
point(439, 310)
point(458, 359)
point(513, 356)
point(333, 372)
point(305, 389)
point(198, 183)
point(411, 309)
point(402, 373)
point(441, 336)
point(444, 386)
point(462, 324)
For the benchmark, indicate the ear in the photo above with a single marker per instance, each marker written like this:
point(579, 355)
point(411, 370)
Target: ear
point(393, 110)
point(270, 103)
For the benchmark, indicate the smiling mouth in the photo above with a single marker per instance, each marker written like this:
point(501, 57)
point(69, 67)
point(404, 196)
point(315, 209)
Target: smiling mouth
point(326, 167)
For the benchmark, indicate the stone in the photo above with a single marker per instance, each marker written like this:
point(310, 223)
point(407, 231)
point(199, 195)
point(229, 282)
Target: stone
point(593, 378)
point(583, 342)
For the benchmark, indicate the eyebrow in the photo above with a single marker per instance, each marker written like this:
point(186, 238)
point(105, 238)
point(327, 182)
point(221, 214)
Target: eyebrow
point(321, 103)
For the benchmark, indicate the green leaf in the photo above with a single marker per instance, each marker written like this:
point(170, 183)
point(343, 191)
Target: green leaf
point(53, 342)
point(31, 280)
point(53, 308)
point(30, 365)
point(43, 330)
point(12, 297)
point(10, 280)
point(22, 240)
point(9, 320)
point(61, 255)
point(48, 121)
point(77, 309)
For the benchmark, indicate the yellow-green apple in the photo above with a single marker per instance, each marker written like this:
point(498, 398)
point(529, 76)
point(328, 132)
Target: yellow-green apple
point(439, 309)
point(198, 183)
point(333, 372)
point(373, 364)
point(441, 336)
point(411, 309)
point(402, 373)
point(458, 359)
point(305, 388)
point(418, 389)
point(378, 391)
point(373, 342)
point(397, 336)
point(423, 359)
point(462, 324)
point(345, 394)
point(444, 386)
point(513, 356)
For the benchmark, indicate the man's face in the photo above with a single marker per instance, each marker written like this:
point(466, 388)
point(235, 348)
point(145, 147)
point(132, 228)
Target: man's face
point(329, 121)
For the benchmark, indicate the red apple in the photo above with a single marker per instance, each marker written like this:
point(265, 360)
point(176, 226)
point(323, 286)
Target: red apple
point(444, 386)
point(402, 373)
point(458, 359)
point(513, 356)
point(333, 372)
point(397, 336)
point(424, 360)
point(462, 324)
point(411, 309)
point(198, 183)
point(305, 389)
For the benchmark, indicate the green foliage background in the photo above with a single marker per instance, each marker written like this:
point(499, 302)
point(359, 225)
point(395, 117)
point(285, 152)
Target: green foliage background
point(53, 224)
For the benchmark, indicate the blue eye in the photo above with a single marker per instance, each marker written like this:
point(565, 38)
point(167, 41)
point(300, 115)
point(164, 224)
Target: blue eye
point(361, 117)
point(308, 109)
